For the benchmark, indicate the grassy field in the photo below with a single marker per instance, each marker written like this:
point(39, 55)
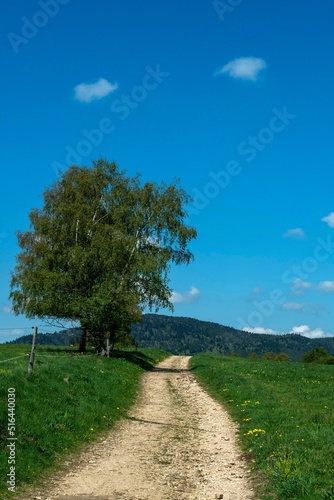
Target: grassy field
point(285, 413)
point(68, 400)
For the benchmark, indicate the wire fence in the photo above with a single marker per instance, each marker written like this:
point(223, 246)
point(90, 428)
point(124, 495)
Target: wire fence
point(72, 356)
point(17, 357)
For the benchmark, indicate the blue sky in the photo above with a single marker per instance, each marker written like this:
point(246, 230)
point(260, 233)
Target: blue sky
point(234, 97)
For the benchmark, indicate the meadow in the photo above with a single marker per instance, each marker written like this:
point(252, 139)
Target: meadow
point(67, 401)
point(285, 414)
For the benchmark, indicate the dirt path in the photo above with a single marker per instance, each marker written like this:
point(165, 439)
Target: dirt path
point(177, 444)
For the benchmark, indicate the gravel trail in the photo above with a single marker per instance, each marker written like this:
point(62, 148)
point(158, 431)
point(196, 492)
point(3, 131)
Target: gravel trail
point(177, 443)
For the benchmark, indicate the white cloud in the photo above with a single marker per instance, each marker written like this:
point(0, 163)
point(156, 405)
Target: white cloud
point(185, 298)
point(298, 286)
point(329, 219)
point(326, 286)
point(296, 233)
point(300, 329)
point(306, 331)
point(87, 92)
point(6, 309)
point(244, 68)
point(293, 306)
point(260, 329)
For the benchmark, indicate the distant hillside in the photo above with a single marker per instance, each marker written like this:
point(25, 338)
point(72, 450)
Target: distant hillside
point(64, 337)
point(180, 335)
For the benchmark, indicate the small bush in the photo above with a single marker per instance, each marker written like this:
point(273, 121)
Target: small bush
point(269, 356)
point(282, 357)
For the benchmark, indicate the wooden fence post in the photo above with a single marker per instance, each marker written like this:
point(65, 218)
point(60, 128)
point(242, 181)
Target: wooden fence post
point(33, 350)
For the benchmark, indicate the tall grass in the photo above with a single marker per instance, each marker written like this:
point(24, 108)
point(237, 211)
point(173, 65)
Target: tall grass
point(286, 418)
point(67, 401)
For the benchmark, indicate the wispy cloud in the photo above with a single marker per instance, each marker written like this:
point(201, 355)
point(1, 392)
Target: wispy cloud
point(243, 68)
point(296, 233)
point(87, 92)
point(302, 307)
point(16, 331)
point(329, 219)
point(186, 298)
point(6, 309)
point(326, 286)
point(299, 286)
point(293, 306)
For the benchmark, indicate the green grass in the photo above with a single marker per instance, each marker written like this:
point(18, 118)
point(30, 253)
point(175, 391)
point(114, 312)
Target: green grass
point(285, 413)
point(67, 401)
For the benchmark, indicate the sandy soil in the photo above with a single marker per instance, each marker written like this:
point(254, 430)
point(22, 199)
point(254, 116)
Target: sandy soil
point(177, 443)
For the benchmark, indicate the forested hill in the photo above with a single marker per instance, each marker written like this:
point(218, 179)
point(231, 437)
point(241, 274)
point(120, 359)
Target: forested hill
point(180, 335)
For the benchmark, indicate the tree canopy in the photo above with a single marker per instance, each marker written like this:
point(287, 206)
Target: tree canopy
point(100, 250)
point(317, 355)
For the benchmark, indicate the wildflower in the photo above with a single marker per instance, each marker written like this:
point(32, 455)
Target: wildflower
point(91, 429)
point(255, 432)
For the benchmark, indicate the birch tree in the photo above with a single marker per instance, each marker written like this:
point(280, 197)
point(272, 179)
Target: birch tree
point(100, 250)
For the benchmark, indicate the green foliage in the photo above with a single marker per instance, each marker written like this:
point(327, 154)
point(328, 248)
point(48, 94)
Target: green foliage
point(67, 401)
point(269, 355)
point(282, 357)
point(100, 250)
point(286, 417)
point(317, 355)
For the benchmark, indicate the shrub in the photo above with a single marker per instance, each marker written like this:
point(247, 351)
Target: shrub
point(269, 355)
point(316, 355)
point(282, 357)
point(253, 355)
